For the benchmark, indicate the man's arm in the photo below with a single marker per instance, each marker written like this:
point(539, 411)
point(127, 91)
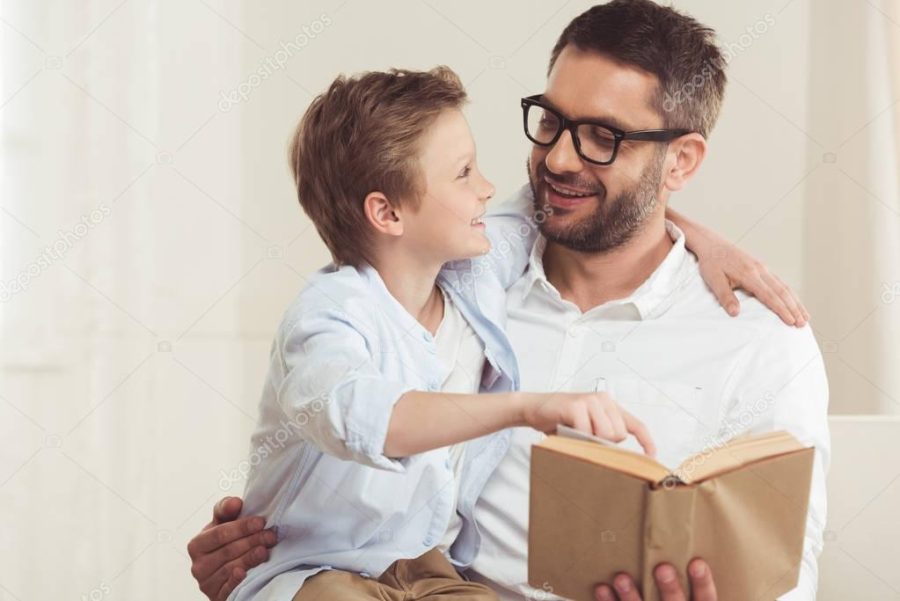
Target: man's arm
point(781, 385)
point(227, 547)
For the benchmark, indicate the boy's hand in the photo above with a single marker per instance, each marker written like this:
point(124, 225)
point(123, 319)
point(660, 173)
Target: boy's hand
point(728, 267)
point(591, 412)
point(725, 267)
point(227, 547)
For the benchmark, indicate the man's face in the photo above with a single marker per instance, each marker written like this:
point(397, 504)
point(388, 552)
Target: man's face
point(588, 207)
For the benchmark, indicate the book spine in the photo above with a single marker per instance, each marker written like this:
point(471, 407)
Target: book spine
point(668, 534)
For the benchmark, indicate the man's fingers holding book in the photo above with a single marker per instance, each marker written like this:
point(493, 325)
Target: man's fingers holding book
point(625, 589)
point(702, 586)
point(702, 583)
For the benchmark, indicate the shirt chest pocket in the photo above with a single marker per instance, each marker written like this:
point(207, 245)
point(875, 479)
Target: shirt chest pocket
point(673, 412)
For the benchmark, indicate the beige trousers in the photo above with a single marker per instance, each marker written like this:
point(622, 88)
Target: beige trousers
point(429, 577)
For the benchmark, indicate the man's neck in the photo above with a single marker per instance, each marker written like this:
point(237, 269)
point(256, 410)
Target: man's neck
point(413, 284)
point(591, 279)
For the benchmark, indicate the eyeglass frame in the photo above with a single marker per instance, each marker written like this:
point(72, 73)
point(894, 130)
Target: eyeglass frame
point(641, 135)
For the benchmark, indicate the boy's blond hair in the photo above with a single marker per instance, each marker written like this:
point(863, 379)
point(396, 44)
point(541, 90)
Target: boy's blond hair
point(360, 136)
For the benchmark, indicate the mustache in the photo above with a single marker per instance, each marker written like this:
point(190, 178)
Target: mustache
point(569, 179)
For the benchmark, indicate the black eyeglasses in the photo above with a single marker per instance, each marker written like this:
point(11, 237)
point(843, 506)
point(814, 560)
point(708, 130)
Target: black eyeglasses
point(595, 142)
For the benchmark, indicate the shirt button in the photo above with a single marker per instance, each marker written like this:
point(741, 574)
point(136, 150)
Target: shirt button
point(574, 331)
point(429, 542)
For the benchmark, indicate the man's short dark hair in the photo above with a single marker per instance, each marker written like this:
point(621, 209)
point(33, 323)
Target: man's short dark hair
point(679, 50)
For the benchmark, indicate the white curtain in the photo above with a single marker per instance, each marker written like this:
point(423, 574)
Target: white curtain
point(125, 385)
point(852, 234)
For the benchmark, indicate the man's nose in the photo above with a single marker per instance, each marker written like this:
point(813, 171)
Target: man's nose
point(563, 158)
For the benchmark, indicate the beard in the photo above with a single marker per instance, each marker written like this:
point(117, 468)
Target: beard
point(613, 222)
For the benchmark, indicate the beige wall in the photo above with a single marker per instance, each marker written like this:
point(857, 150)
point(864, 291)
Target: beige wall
point(132, 361)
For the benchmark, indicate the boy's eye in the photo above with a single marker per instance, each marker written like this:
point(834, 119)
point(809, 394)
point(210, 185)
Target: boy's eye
point(465, 172)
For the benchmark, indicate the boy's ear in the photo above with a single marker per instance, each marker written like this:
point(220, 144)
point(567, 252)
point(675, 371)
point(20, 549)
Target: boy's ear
point(689, 152)
point(383, 216)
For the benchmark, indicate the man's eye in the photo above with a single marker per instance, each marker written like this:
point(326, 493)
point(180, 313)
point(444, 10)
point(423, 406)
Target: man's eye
point(465, 172)
point(548, 122)
point(602, 137)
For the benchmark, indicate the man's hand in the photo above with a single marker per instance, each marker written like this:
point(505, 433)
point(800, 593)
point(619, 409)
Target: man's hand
point(227, 547)
point(702, 585)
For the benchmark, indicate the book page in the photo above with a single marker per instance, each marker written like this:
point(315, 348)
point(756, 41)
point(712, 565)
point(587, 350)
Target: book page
point(738, 452)
point(583, 446)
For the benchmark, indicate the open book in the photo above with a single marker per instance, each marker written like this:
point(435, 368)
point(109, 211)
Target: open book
point(597, 510)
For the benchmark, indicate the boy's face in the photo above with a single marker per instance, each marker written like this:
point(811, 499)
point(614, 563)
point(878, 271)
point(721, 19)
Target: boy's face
point(447, 224)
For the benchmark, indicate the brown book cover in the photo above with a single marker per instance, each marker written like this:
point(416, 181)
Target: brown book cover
point(597, 510)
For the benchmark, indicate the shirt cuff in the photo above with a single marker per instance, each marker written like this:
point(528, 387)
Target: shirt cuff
point(368, 418)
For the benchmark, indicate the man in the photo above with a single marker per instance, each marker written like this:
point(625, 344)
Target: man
point(613, 301)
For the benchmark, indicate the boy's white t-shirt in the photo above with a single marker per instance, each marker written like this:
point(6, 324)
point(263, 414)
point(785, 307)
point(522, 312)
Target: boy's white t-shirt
point(459, 348)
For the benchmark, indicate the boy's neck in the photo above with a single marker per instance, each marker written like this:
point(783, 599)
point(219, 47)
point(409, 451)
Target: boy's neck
point(591, 279)
point(414, 286)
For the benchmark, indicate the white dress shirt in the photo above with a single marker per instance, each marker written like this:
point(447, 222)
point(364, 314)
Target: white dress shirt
point(672, 356)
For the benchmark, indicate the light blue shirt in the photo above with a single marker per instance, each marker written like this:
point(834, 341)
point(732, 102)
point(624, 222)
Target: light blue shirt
point(345, 352)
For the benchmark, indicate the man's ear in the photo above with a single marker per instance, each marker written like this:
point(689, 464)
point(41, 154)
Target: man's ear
point(382, 214)
point(689, 151)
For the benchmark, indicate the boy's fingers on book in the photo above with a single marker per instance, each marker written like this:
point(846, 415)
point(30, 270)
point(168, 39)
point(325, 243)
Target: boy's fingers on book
point(600, 423)
point(640, 432)
point(580, 419)
point(617, 422)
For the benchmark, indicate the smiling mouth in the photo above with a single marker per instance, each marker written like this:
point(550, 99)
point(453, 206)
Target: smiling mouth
point(568, 192)
point(478, 220)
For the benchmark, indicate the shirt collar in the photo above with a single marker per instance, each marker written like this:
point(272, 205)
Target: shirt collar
point(650, 299)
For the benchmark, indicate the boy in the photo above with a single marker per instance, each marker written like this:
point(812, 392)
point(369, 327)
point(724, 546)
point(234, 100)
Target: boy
point(376, 366)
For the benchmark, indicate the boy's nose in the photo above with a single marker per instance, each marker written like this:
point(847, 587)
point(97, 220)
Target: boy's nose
point(488, 192)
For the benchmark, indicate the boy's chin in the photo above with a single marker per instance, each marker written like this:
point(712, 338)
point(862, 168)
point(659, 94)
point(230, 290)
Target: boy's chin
point(473, 249)
point(481, 249)
point(471, 253)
